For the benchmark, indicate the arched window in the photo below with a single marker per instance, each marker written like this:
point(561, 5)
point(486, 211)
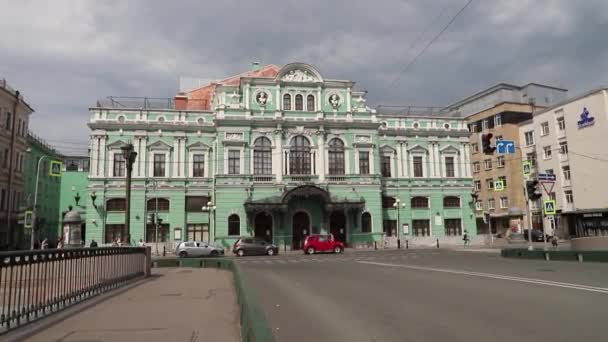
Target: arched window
point(262, 156)
point(366, 223)
point(299, 102)
point(299, 157)
point(234, 225)
point(336, 157)
point(420, 202)
point(116, 204)
point(310, 103)
point(286, 102)
point(451, 202)
point(163, 204)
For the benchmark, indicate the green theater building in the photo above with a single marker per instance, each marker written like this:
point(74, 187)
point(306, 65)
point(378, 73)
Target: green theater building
point(278, 153)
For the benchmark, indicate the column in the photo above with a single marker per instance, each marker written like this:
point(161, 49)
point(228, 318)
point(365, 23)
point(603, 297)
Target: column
point(437, 160)
point(461, 159)
point(405, 159)
point(102, 157)
point(247, 96)
point(431, 159)
point(94, 156)
point(182, 159)
point(319, 100)
point(137, 144)
point(399, 160)
point(321, 158)
point(348, 109)
point(278, 156)
point(467, 160)
point(279, 99)
point(176, 160)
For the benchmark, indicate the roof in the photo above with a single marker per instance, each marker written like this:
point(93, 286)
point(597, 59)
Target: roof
point(416, 111)
point(572, 99)
point(8, 89)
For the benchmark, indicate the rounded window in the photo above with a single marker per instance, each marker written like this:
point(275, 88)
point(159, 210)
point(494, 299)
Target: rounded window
point(161, 119)
point(200, 121)
point(416, 125)
point(446, 126)
point(121, 119)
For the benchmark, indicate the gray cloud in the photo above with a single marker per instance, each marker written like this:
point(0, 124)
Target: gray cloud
point(69, 53)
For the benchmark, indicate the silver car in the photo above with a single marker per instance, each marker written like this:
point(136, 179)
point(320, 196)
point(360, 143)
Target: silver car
point(197, 249)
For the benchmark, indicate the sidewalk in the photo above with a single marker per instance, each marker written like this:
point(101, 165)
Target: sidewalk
point(176, 304)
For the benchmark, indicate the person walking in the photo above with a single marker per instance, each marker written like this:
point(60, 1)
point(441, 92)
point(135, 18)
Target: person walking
point(44, 244)
point(60, 244)
point(141, 243)
point(554, 242)
point(93, 244)
point(114, 243)
point(465, 238)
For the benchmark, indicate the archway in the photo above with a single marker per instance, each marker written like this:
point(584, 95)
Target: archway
point(263, 226)
point(337, 225)
point(300, 229)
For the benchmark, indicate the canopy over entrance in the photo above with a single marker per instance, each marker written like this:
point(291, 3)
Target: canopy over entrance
point(281, 203)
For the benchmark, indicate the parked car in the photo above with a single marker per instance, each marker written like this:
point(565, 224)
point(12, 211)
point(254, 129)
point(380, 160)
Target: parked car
point(254, 246)
point(320, 243)
point(197, 249)
point(537, 235)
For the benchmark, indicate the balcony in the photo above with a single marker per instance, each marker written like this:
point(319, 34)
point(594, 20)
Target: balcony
point(300, 179)
point(261, 179)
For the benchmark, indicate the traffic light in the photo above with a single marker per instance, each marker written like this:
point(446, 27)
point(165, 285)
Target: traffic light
point(533, 190)
point(486, 143)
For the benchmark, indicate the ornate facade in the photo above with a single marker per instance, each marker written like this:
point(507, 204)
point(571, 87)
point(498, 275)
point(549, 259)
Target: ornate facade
point(278, 153)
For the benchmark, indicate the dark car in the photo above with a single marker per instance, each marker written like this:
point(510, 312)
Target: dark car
point(254, 246)
point(537, 235)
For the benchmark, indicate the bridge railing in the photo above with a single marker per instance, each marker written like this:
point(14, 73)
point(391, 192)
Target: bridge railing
point(36, 283)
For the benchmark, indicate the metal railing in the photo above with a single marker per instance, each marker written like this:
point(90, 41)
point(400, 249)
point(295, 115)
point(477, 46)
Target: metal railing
point(36, 283)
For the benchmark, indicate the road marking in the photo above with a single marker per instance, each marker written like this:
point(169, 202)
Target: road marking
point(268, 261)
point(497, 276)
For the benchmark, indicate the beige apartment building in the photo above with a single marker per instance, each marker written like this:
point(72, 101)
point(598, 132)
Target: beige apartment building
point(570, 140)
point(499, 110)
point(14, 119)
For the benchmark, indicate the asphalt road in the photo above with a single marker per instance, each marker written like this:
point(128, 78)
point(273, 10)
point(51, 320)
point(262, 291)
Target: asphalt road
point(429, 295)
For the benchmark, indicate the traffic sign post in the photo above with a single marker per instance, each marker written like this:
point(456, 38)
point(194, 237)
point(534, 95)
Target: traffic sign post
point(499, 185)
point(549, 207)
point(527, 168)
point(548, 187)
point(55, 170)
point(28, 219)
point(505, 147)
point(551, 177)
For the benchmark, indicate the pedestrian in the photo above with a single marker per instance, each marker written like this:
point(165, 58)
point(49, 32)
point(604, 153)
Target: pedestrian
point(114, 242)
point(465, 238)
point(554, 242)
point(142, 243)
point(60, 244)
point(44, 244)
point(118, 242)
point(93, 244)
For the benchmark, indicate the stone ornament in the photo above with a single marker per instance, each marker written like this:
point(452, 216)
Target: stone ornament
point(334, 101)
point(299, 76)
point(262, 98)
point(363, 138)
point(234, 136)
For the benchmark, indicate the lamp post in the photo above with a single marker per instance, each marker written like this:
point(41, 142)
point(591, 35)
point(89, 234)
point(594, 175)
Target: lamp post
point(209, 208)
point(398, 205)
point(34, 210)
point(129, 155)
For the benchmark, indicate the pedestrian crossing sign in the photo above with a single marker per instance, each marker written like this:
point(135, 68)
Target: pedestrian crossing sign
point(55, 170)
point(499, 185)
point(549, 207)
point(527, 168)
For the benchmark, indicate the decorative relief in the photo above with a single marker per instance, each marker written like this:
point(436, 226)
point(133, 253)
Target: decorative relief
point(363, 139)
point(299, 76)
point(262, 98)
point(334, 101)
point(234, 136)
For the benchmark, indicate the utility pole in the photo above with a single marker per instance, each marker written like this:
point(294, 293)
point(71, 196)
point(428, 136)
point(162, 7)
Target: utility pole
point(129, 155)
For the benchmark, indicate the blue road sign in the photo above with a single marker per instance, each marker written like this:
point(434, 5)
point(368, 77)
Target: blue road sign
point(505, 146)
point(547, 177)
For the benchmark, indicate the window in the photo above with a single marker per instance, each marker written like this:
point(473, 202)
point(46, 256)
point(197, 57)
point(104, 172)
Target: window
point(85, 165)
point(529, 137)
point(363, 162)
point(547, 152)
point(503, 179)
point(532, 158)
point(299, 102)
point(159, 165)
point(489, 183)
point(234, 225)
point(234, 162)
point(451, 202)
point(544, 128)
point(498, 137)
point(19, 127)
point(387, 202)
point(194, 204)
point(487, 164)
point(478, 205)
point(418, 171)
point(566, 171)
point(420, 203)
point(421, 228)
point(476, 167)
point(286, 102)
point(475, 148)
point(119, 165)
point(497, 120)
point(563, 147)
point(198, 165)
point(8, 120)
point(71, 165)
point(504, 202)
point(151, 231)
point(491, 203)
point(336, 157)
point(477, 185)
point(3, 200)
point(116, 204)
point(197, 232)
point(5, 160)
point(500, 161)
point(385, 164)
point(561, 123)
point(389, 227)
point(485, 124)
point(262, 156)
point(453, 227)
point(310, 103)
point(115, 232)
point(569, 197)
point(366, 223)
point(449, 167)
point(163, 204)
point(299, 157)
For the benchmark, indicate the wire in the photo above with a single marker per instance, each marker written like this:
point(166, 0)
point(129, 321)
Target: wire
point(413, 60)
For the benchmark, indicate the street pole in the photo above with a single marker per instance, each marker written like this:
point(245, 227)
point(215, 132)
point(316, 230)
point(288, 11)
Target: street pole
point(490, 229)
point(35, 202)
point(529, 213)
point(156, 215)
point(129, 156)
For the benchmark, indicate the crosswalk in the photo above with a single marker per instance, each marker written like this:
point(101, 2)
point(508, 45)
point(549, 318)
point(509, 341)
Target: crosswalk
point(285, 260)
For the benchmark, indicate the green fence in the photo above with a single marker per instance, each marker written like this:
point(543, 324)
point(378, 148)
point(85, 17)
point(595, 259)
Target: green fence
point(254, 326)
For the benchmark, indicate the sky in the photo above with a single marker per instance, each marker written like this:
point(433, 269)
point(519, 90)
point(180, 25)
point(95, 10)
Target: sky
point(64, 55)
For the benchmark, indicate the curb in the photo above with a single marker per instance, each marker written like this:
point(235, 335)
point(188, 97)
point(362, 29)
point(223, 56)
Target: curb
point(569, 255)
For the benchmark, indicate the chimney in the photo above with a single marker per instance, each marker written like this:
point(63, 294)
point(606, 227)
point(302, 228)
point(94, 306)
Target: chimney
point(255, 66)
point(181, 101)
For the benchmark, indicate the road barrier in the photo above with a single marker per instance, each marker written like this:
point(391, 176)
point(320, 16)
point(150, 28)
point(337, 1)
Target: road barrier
point(254, 326)
point(556, 255)
point(37, 283)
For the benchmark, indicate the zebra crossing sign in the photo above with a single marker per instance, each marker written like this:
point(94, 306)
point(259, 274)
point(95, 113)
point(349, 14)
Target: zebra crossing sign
point(549, 207)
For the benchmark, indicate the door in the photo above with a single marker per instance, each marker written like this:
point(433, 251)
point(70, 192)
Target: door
point(300, 229)
point(337, 225)
point(263, 226)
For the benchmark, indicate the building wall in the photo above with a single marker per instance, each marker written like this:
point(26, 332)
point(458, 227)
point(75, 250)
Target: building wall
point(74, 183)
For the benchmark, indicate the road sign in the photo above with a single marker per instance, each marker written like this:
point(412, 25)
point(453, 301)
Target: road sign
point(548, 187)
point(505, 146)
point(547, 177)
point(549, 207)
point(55, 170)
point(28, 219)
point(527, 165)
point(499, 185)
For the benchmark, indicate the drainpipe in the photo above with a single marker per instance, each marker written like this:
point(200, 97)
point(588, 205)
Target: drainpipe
point(11, 174)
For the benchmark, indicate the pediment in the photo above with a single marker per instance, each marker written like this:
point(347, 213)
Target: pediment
point(449, 148)
point(299, 72)
point(198, 146)
point(159, 145)
point(417, 148)
point(117, 144)
point(387, 148)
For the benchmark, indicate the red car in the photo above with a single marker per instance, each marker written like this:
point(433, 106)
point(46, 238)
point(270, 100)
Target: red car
point(322, 243)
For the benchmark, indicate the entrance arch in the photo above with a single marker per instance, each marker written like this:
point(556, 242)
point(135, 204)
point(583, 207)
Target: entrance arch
point(263, 224)
point(337, 225)
point(300, 225)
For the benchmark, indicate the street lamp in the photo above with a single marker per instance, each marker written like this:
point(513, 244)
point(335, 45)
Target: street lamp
point(34, 219)
point(93, 198)
point(209, 208)
point(398, 205)
point(129, 155)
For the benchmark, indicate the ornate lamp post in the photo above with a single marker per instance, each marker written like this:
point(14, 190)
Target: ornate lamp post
point(209, 209)
point(129, 155)
point(398, 205)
